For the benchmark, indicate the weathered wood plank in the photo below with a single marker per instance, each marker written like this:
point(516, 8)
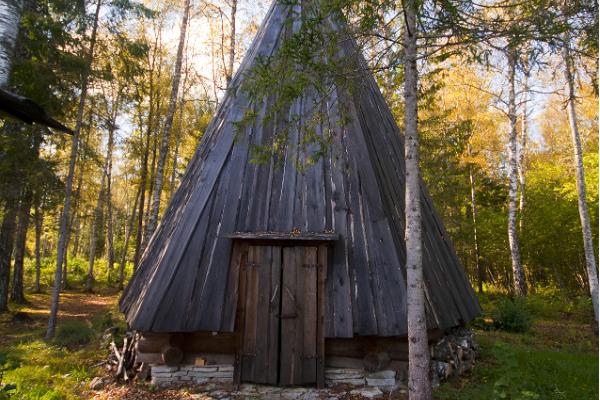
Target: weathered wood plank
point(323, 262)
point(308, 273)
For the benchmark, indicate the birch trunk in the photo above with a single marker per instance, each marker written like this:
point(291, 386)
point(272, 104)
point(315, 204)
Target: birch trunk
point(64, 217)
point(178, 137)
point(522, 148)
point(478, 266)
point(140, 217)
point(110, 251)
point(232, 15)
point(519, 284)
point(38, 220)
point(584, 215)
point(17, 293)
point(96, 229)
point(128, 230)
point(10, 16)
point(164, 147)
point(419, 385)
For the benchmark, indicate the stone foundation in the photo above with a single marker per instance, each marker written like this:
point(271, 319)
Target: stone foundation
point(163, 375)
point(386, 379)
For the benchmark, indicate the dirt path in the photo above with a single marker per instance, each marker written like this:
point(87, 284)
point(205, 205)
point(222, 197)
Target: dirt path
point(73, 305)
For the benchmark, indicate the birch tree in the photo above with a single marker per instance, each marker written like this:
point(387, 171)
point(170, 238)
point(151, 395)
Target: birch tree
point(519, 284)
point(64, 217)
point(164, 146)
point(419, 385)
point(10, 15)
point(584, 215)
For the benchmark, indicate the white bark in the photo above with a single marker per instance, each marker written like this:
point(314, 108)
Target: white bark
point(10, 16)
point(523, 148)
point(96, 229)
point(419, 385)
point(64, 217)
point(110, 251)
point(232, 15)
point(478, 266)
point(584, 215)
point(164, 147)
point(519, 284)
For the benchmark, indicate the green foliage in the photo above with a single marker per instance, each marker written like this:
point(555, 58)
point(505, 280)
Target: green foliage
point(73, 332)
point(512, 315)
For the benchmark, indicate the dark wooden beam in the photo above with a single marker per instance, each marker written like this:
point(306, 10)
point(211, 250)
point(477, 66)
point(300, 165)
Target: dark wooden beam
point(285, 236)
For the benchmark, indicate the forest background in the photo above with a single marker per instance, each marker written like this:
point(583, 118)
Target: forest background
point(140, 91)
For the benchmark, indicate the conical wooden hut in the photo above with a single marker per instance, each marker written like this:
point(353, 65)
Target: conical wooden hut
point(276, 273)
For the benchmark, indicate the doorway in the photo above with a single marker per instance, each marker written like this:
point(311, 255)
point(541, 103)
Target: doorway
point(281, 314)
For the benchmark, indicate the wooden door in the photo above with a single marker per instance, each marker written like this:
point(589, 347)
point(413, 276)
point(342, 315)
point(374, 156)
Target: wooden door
point(281, 318)
point(261, 280)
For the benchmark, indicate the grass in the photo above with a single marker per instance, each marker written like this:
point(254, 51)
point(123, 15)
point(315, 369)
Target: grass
point(61, 369)
point(555, 359)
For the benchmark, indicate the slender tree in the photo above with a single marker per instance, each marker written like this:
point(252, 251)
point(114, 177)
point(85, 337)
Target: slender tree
point(10, 15)
point(419, 385)
point(523, 144)
point(519, 284)
point(39, 220)
point(164, 146)
point(65, 214)
point(584, 215)
point(17, 293)
point(232, 15)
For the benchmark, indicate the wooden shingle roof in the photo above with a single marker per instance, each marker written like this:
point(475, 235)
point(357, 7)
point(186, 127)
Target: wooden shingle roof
point(355, 191)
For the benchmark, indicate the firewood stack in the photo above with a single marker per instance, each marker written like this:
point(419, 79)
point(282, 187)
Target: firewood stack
point(122, 357)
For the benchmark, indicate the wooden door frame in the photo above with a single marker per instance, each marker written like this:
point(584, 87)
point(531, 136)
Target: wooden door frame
point(239, 255)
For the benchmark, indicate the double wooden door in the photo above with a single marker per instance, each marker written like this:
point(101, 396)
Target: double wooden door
point(281, 314)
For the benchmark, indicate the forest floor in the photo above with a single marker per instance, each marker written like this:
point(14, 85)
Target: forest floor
point(556, 359)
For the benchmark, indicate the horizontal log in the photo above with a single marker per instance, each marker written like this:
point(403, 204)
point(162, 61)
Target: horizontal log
point(196, 342)
point(188, 358)
point(343, 362)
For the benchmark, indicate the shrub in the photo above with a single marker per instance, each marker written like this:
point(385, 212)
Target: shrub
point(73, 332)
point(512, 315)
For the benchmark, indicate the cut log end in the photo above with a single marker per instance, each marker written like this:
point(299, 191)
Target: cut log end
point(171, 355)
point(374, 362)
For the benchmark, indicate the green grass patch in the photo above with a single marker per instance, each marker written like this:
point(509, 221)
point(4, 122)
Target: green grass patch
point(72, 333)
point(43, 371)
point(508, 371)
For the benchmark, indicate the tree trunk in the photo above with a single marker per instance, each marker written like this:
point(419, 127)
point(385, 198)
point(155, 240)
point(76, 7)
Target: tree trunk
point(584, 215)
point(419, 385)
point(178, 138)
point(519, 284)
point(38, 220)
point(164, 147)
point(523, 147)
point(232, 15)
point(64, 218)
point(140, 217)
point(17, 293)
point(96, 230)
point(110, 251)
point(10, 16)
point(128, 230)
point(7, 234)
point(478, 266)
